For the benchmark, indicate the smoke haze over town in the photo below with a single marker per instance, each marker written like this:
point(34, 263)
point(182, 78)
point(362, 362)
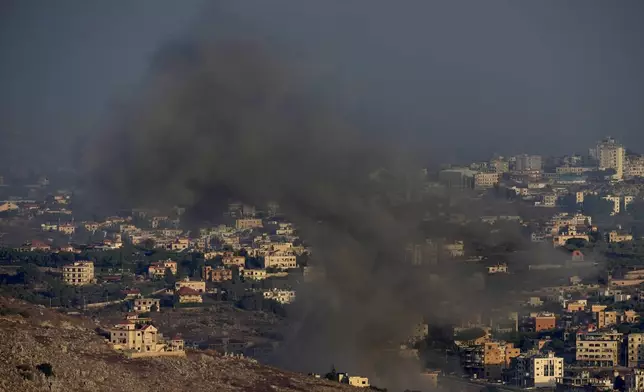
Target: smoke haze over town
point(417, 173)
point(506, 77)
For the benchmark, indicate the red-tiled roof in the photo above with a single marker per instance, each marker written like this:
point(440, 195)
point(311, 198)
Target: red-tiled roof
point(187, 291)
point(38, 243)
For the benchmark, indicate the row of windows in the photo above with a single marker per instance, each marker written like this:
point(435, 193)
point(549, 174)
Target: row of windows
point(594, 344)
point(76, 269)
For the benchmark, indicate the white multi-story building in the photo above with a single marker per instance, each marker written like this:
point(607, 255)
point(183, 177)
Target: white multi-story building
point(611, 156)
point(537, 370)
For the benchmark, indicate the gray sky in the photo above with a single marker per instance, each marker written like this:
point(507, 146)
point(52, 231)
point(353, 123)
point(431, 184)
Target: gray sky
point(459, 78)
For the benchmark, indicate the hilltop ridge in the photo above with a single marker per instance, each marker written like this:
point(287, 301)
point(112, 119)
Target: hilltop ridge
point(43, 350)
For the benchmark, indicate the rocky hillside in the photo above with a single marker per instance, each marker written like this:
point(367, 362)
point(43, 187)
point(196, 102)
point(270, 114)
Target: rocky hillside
point(43, 350)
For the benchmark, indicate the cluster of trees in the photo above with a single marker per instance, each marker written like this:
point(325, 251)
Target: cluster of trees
point(44, 288)
point(593, 205)
point(257, 302)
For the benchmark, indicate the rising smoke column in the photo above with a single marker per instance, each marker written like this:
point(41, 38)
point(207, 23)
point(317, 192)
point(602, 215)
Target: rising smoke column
point(227, 120)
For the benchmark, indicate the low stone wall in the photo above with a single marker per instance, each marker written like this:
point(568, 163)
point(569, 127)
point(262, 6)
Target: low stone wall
point(103, 304)
point(131, 354)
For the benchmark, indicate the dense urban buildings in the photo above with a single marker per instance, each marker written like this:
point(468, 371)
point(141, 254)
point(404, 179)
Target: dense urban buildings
point(553, 244)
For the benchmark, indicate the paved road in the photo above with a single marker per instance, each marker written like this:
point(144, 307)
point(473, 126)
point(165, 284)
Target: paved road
point(475, 386)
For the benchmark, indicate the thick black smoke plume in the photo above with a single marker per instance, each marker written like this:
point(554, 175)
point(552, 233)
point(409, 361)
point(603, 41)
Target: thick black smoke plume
point(220, 121)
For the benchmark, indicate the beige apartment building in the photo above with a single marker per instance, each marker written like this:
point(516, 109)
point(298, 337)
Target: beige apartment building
point(218, 274)
point(144, 305)
point(576, 306)
point(359, 382)
point(144, 340)
point(157, 269)
point(130, 336)
point(354, 381)
point(486, 180)
point(238, 261)
point(540, 370)
point(615, 236)
point(280, 261)
point(579, 197)
point(245, 224)
point(67, 228)
point(607, 318)
point(599, 349)
point(255, 274)
point(634, 167)
point(577, 170)
point(549, 200)
point(635, 356)
point(179, 244)
point(455, 249)
point(186, 295)
point(281, 246)
point(281, 296)
point(197, 285)
point(79, 273)
point(497, 269)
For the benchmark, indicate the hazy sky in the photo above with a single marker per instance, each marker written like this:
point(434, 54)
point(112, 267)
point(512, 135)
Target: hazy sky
point(458, 77)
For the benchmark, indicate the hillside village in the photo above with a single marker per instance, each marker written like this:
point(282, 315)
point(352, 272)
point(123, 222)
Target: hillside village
point(560, 238)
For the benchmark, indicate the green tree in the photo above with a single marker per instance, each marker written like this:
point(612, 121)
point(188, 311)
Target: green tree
point(576, 243)
point(46, 369)
point(636, 210)
point(557, 344)
point(596, 206)
point(169, 277)
point(30, 274)
point(569, 203)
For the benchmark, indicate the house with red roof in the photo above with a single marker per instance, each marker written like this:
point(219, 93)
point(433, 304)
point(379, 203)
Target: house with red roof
point(186, 295)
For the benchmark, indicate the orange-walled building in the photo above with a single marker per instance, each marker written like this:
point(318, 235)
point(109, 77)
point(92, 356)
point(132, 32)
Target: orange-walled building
point(544, 322)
